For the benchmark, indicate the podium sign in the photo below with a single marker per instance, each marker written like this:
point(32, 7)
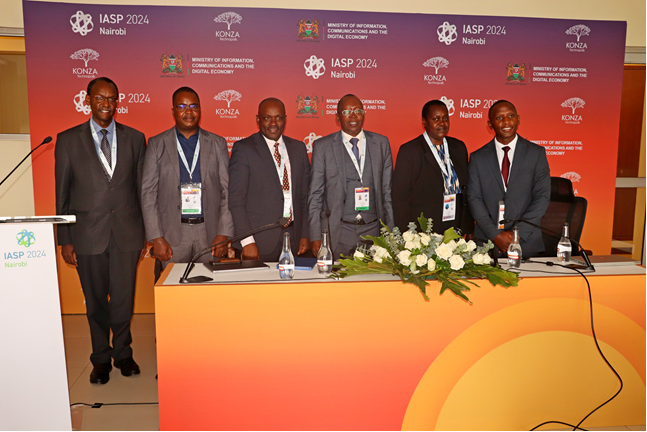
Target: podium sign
point(32, 361)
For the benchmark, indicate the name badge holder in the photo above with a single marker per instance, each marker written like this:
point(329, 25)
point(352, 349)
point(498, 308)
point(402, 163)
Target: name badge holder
point(449, 199)
point(501, 213)
point(449, 207)
point(287, 194)
point(190, 193)
point(110, 169)
point(361, 198)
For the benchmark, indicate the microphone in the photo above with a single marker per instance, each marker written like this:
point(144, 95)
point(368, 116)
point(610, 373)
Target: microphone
point(45, 141)
point(553, 234)
point(196, 279)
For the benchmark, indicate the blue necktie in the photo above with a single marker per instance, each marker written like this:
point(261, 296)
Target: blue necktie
point(354, 142)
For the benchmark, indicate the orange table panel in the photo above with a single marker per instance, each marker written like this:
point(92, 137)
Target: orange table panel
point(376, 356)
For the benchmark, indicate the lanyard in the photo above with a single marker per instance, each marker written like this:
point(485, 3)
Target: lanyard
point(349, 149)
point(113, 151)
point(445, 165)
point(183, 157)
point(280, 168)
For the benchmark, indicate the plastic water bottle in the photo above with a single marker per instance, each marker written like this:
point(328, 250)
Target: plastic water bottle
point(286, 260)
point(564, 247)
point(324, 257)
point(514, 250)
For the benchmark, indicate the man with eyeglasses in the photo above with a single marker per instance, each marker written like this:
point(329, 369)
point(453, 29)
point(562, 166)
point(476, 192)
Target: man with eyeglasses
point(269, 175)
point(184, 187)
point(350, 191)
point(98, 173)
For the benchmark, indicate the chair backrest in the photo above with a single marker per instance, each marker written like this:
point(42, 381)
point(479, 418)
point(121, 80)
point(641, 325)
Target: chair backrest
point(564, 206)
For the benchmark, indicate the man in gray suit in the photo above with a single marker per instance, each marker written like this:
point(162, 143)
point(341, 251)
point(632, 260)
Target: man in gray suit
point(269, 177)
point(184, 187)
point(509, 178)
point(350, 190)
point(98, 172)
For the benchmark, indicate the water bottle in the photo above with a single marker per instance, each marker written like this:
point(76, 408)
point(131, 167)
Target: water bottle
point(564, 246)
point(286, 260)
point(514, 250)
point(324, 257)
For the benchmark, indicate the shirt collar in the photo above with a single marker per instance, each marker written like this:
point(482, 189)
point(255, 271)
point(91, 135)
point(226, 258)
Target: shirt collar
point(347, 137)
point(192, 138)
point(95, 126)
point(270, 142)
point(512, 144)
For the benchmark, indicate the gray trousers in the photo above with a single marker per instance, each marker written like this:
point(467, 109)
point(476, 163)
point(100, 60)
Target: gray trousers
point(194, 238)
point(351, 237)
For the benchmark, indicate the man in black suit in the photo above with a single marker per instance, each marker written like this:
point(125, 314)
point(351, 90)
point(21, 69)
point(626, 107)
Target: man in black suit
point(509, 178)
point(430, 176)
point(98, 174)
point(269, 175)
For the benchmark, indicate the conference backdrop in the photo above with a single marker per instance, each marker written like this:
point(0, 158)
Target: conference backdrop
point(564, 76)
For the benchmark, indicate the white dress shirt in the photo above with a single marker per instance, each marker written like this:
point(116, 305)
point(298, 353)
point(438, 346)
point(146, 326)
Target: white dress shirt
point(500, 153)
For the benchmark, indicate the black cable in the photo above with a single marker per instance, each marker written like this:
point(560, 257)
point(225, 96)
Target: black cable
point(99, 404)
point(595, 339)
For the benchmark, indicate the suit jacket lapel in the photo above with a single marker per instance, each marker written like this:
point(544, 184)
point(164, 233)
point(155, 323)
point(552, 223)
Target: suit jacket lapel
point(88, 144)
point(494, 163)
point(339, 149)
point(170, 147)
point(265, 155)
point(431, 160)
point(519, 155)
point(205, 155)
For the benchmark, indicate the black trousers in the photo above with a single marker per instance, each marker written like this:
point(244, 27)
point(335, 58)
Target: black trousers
point(108, 282)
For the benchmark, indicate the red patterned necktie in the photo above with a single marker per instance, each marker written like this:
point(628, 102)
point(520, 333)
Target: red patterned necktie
point(286, 181)
point(505, 165)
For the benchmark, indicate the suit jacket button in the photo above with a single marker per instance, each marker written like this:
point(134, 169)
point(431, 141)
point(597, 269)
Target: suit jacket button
point(112, 211)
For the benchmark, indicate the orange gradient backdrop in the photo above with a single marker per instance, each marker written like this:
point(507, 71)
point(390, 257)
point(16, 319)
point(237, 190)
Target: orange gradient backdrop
point(376, 356)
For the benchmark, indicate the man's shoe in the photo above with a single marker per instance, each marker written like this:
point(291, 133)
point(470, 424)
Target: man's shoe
point(100, 373)
point(128, 366)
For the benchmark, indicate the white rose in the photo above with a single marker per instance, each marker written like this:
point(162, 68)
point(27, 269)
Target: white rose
point(437, 238)
point(460, 242)
point(471, 246)
point(409, 236)
point(456, 262)
point(358, 254)
point(378, 259)
point(421, 260)
point(411, 245)
point(425, 239)
point(378, 251)
point(444, 251)
point(477, 259)
point(431, 264)
point(403, 257)
point(452, 245)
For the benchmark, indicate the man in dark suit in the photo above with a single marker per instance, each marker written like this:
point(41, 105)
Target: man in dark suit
point(351, 182)
point(430, 176)
point(98, 179)
point(509, 178)
point(186, 161)
point(269, 174)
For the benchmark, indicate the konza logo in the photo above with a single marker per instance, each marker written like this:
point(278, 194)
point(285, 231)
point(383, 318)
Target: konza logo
point(436, 63)
point(572, 176)
point(81, 23)
point(79, 103)
point(449, 103)
point(229, 18)
point(86, 55)
point(579, 31)
point(314, 67)
point(573, 103)
point(447, 33)
point(228, 96)
point(309, 140)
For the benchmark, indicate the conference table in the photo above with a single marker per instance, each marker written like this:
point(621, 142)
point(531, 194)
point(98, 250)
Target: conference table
point(249, 351)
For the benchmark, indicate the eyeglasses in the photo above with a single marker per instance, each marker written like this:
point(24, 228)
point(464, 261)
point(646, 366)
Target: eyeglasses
point(100, 99)
point(184, 107)
point(347, 113)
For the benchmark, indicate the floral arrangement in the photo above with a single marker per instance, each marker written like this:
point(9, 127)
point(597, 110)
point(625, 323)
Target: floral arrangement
point(417, 257)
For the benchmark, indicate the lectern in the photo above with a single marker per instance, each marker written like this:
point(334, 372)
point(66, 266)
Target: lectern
point(33, 375)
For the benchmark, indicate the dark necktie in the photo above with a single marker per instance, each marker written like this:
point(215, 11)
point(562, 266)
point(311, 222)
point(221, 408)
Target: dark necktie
point(105, 146)
point(505, 165)
point(354, 142)
point(285, 184)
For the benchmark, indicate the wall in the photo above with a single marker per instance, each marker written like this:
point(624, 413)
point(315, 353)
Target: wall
point(632, 11)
